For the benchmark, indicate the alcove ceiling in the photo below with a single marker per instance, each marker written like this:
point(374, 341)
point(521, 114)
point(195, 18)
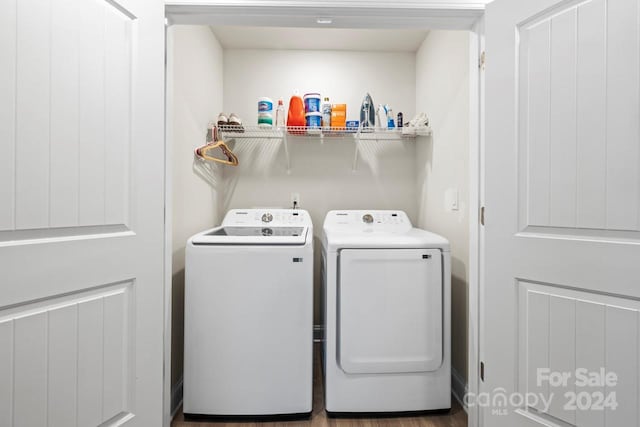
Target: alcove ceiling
point(382, 40)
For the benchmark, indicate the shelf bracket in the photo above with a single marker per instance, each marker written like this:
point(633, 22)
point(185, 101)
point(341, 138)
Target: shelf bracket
point(286, 150)
point(356, 140)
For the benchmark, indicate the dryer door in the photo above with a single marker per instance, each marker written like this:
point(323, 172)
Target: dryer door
point(390, 310)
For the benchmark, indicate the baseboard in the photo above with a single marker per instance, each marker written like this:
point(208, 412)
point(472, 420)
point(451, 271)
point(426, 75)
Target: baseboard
point(458, 387)
point(176, 396)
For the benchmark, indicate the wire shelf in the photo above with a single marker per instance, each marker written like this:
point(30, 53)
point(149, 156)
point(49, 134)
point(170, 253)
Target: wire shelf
point(257, 134)
point(243, 132)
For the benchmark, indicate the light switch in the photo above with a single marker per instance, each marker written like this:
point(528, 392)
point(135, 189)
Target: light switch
point(451, 199)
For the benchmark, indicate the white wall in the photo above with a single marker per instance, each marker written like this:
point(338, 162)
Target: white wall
point(195, 78)
point(343, 76)
point(321, 173)
point(442, 87)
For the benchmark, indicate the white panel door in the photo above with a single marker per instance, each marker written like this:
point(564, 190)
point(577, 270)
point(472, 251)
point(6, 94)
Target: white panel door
point(561, 291)
point(81, 212)
point(390, 317)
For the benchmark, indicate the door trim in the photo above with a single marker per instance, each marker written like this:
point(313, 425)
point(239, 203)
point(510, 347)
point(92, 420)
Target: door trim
point(433, 14)
point(167, 393)
point(476, 201)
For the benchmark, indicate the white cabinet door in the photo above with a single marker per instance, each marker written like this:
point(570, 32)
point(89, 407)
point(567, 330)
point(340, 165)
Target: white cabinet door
point(81, 212)
point(390, 310)
point(562, 213)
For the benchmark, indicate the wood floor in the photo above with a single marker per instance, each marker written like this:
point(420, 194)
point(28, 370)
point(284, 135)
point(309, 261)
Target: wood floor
point(455, 418)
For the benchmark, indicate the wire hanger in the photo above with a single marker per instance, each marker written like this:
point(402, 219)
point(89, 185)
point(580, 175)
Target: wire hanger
point(202, 151)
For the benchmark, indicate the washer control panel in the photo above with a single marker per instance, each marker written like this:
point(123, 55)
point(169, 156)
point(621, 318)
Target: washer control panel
point(267, 217)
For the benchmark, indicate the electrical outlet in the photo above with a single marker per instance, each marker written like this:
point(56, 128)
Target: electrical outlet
point(295, 200)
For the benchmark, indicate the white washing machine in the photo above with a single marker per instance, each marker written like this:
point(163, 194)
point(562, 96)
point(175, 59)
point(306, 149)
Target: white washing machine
point(248, 327)
point(386, 288)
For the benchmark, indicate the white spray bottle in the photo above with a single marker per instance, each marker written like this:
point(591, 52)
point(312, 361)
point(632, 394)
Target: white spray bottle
point(381, 119)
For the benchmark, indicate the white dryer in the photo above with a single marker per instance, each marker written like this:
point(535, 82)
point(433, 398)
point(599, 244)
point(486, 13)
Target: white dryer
point(248, 327)
point(386, 288)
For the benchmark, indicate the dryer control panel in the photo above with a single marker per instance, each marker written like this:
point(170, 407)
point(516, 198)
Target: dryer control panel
point(368, 221)
point(267, 217)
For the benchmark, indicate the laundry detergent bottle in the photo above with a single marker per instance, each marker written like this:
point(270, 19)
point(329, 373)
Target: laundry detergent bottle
point(296, 117)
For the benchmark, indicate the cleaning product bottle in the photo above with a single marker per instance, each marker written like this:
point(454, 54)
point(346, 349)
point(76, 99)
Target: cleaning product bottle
point(367, 112)
point(280, 114)
point(390, 121)
point(265, 112)
point(326, 113)
point(295, 116)
point(382, 117)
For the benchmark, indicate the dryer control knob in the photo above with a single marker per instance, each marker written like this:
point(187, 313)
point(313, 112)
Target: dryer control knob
point(267, 217)
point(367, 218)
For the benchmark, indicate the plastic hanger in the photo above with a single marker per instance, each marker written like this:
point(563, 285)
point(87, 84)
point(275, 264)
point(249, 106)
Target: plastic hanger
point(203, 151)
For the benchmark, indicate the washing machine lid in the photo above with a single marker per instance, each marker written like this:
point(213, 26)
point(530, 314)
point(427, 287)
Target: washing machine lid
point(252, 235)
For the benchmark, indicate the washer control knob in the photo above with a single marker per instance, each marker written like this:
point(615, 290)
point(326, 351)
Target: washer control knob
point(367, 218)
point(267, 217)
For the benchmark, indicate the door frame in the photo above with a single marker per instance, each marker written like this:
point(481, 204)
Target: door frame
point(167, 391)
point(476, 203)
point(432, 14)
